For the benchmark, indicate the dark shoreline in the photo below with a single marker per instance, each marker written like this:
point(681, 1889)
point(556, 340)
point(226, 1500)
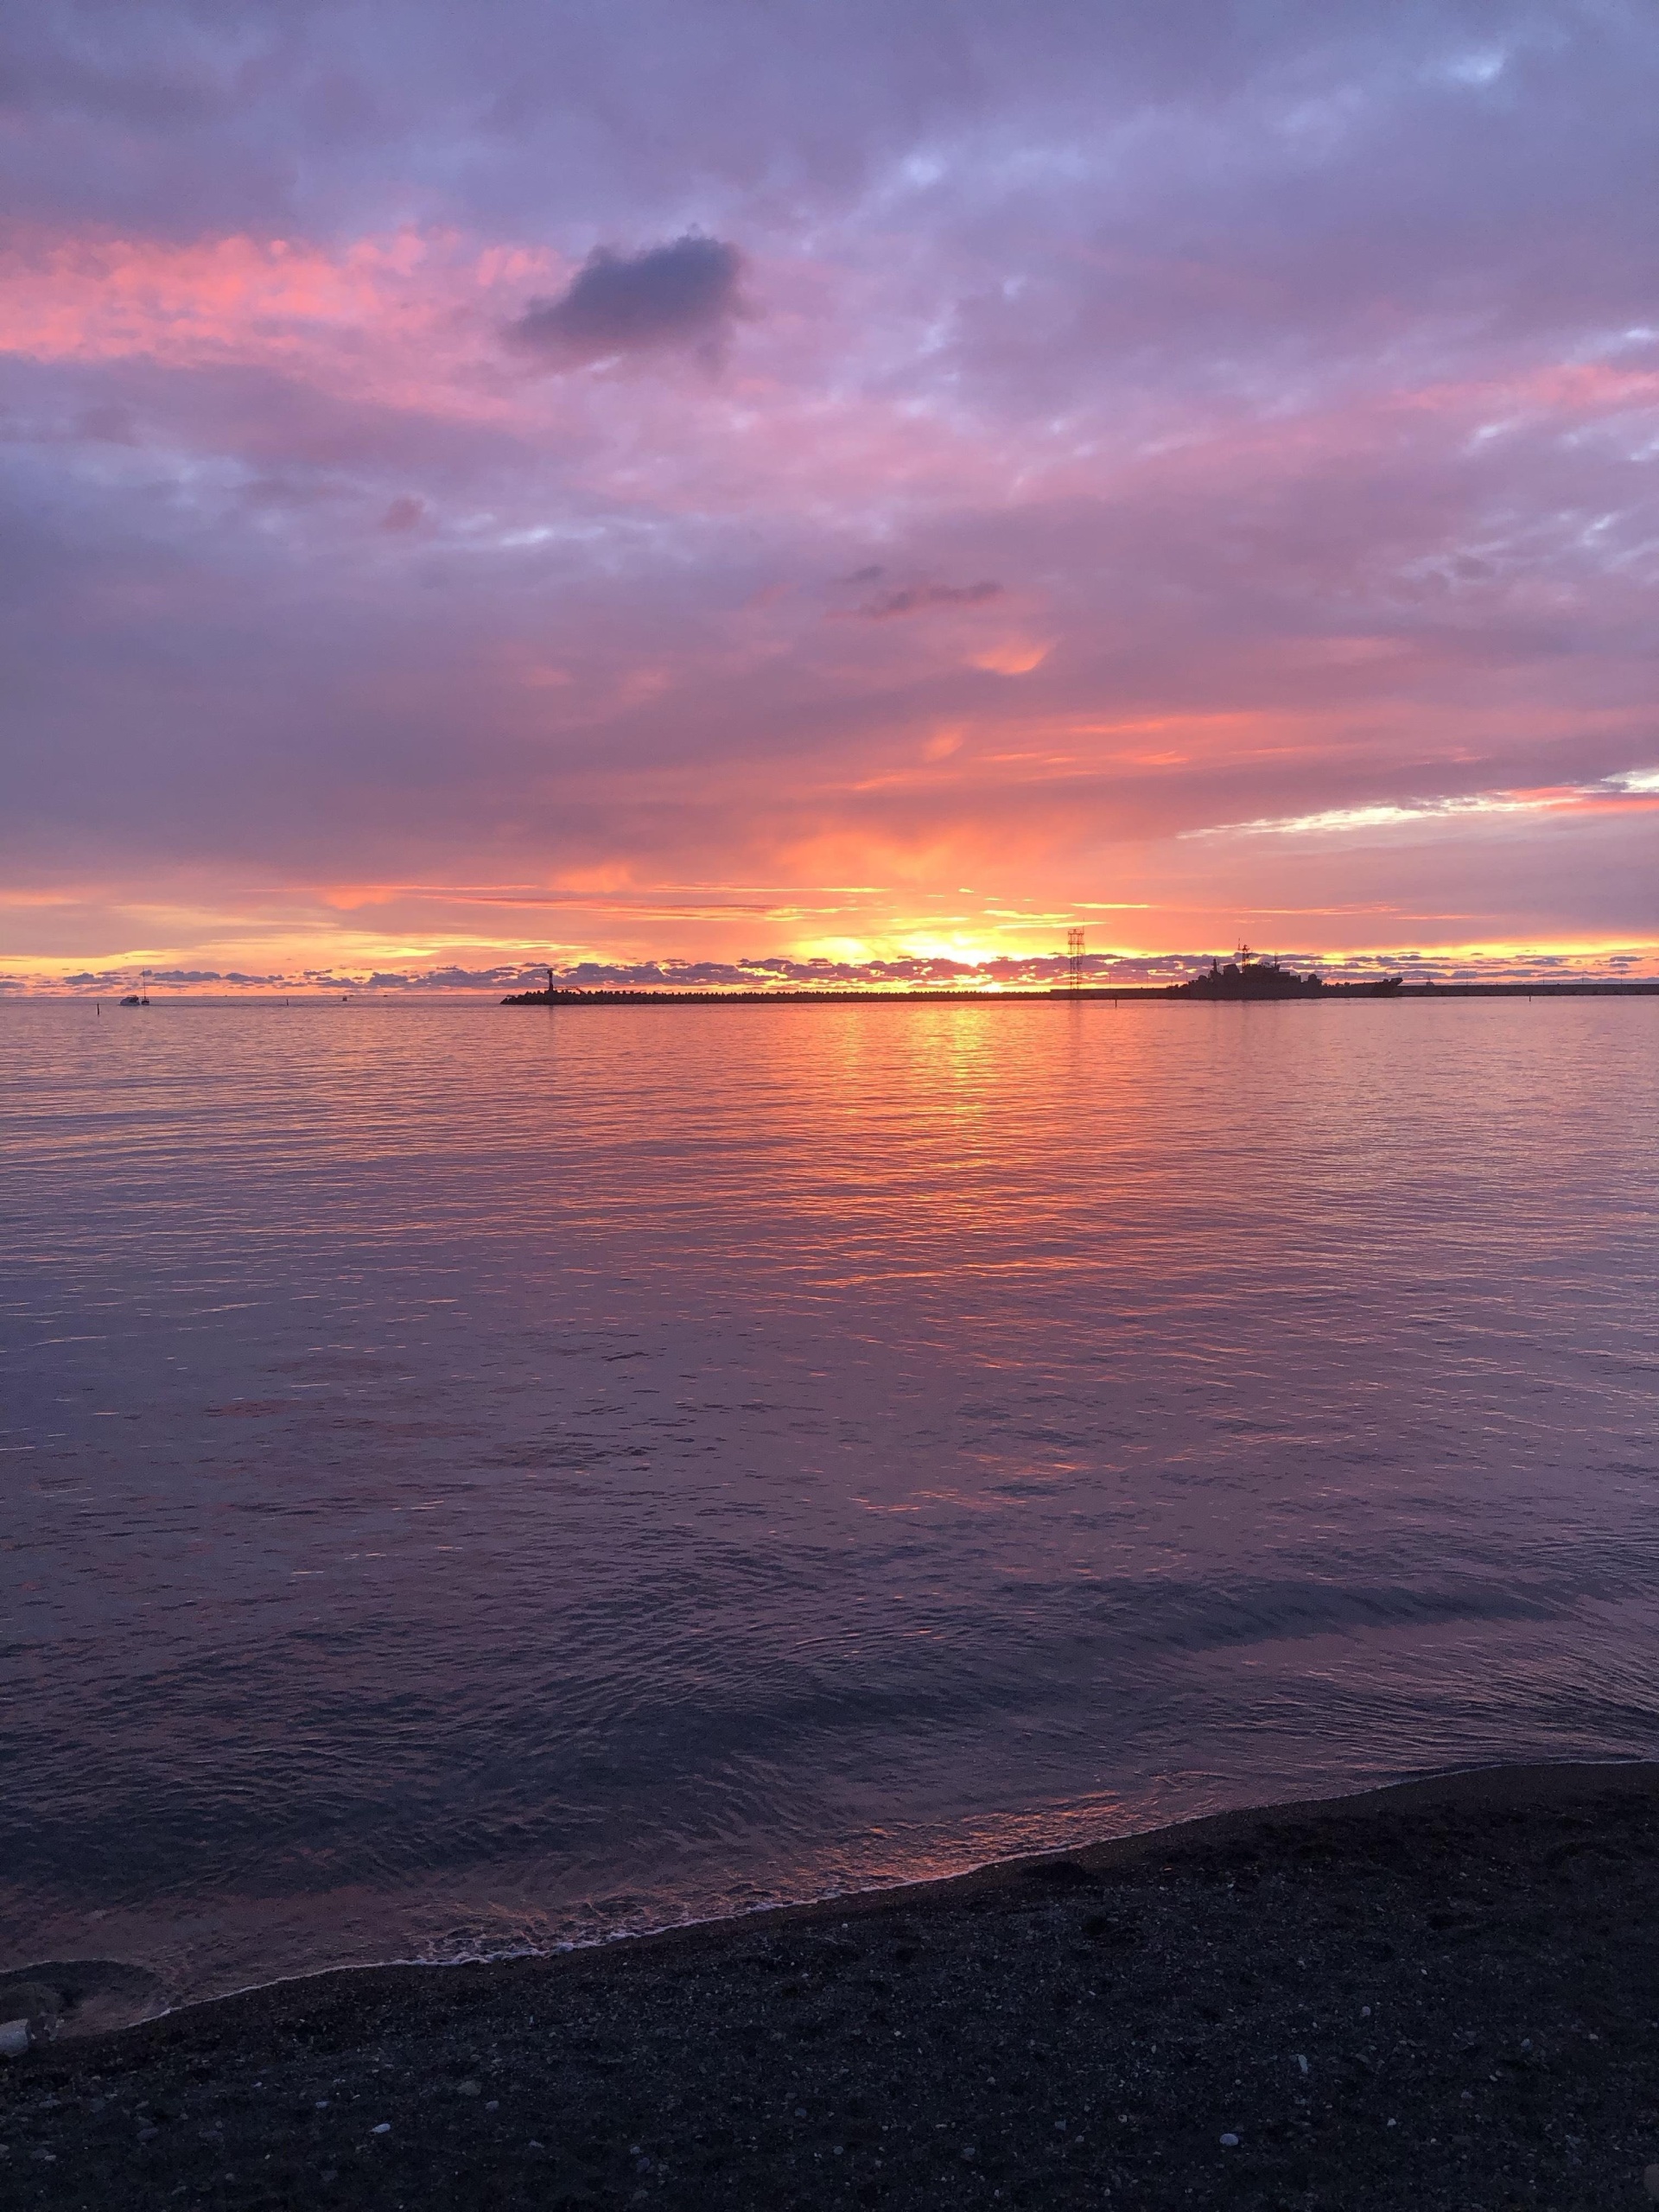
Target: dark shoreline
point(1441, 1994)
point(1126, 994)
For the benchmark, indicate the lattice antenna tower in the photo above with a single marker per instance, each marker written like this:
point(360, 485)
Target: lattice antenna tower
point(1074, 959)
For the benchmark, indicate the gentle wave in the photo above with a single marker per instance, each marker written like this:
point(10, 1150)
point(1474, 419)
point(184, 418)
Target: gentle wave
point(481, 1478)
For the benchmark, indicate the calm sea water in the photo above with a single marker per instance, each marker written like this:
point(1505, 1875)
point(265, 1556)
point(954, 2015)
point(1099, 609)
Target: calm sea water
point(478, 1479)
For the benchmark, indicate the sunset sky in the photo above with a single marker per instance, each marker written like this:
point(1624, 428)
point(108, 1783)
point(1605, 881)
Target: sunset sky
point(728, 480)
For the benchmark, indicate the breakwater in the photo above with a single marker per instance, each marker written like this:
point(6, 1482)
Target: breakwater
point(1155, 993)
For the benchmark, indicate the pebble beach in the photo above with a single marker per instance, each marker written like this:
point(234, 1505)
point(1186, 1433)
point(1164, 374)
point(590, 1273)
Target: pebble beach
point(1442, 1994)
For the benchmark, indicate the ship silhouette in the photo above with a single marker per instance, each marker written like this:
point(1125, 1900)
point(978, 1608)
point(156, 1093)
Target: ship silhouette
point(1253, 976)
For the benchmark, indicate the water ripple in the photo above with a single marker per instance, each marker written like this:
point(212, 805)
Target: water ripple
point(481, 1480)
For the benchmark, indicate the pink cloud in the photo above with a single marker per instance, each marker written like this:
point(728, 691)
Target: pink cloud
point(1222, 433)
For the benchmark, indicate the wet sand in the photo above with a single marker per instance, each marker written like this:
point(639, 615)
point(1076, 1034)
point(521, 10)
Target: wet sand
point(1445, 1994)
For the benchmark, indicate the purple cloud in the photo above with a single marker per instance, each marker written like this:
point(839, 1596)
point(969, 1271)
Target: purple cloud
point(1300, 366)
point(916, 598)
point(684, 294)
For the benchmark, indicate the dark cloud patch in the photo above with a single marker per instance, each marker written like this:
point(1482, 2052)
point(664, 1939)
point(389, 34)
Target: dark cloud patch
point(916, 598)
point(121, 979)
point(404, 513)
point(111, 424)
point(684, 294)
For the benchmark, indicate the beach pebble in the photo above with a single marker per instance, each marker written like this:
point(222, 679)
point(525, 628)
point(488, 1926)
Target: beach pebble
point(13, 2038)
point(381, 2128)
point(1230, 2142)
point(467, 2089)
